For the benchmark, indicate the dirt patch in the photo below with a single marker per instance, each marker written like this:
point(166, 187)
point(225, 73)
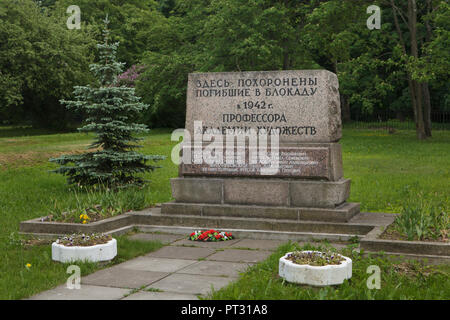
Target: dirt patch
point(391, 234)
point(28, 243)
point(16, 142)
point(416, 269)
point(87, 215)
point(31, 158)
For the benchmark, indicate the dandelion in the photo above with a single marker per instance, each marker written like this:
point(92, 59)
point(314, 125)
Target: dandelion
point(28, 265)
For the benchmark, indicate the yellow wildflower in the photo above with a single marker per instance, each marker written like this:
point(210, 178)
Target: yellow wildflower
point(84, 216)
point(28, 265)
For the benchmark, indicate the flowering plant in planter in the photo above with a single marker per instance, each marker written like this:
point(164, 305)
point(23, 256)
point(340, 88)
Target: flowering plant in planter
point(210, 235)
point(315, 258)
point(83, 240)
point(315, 268)
point(91, 247)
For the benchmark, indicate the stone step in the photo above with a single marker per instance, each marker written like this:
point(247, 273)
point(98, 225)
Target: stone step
point(426, 258)
point(342, 213)
point(406, 247)
point(254, 234)
point(154, 217)
point(273, 192)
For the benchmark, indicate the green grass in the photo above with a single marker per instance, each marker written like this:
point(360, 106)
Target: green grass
point(382, 165)
point(28, 190)
point(379, 164)
point(393, 123)
point(398, 281)
point(19, 282)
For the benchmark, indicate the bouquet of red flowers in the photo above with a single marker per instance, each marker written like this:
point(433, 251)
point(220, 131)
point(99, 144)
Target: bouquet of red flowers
point(210, 235)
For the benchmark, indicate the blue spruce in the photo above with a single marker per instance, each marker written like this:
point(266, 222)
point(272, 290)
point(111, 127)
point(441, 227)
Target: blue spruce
point(112, 112)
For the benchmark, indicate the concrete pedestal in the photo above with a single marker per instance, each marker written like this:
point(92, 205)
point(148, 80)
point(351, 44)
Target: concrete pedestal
point(262, 198)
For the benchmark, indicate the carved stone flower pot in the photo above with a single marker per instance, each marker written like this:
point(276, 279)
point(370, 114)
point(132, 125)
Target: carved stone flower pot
point(100, 252)
point(315, 275)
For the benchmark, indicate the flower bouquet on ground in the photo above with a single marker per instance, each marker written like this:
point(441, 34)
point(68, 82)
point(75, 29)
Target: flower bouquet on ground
point(210, 235)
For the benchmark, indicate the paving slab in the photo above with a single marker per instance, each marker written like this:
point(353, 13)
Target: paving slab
point(201, 244)
point(123, 278)
point(237, 255)
point(374, 218)
point(258, 244)
point(86, 292)
point(156, 264)
point(145, 295)
point(164, 238)
point(188, 283)
point(216, 268)
point(189, 253)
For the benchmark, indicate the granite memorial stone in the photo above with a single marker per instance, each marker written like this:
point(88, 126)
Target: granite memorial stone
point(301, 109)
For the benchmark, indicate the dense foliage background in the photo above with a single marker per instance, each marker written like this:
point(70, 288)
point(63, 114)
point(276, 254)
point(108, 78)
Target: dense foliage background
point(400, 71)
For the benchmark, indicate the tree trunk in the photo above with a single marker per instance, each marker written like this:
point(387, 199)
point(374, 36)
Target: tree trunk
point(427, 108)
point(345, 108)
point(403, 45)
point(420, 128)
point(426, 89)
point(286, 63)
point(417, 87)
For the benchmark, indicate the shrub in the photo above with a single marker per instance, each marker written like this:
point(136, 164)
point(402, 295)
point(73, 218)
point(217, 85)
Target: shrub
point(129, 77)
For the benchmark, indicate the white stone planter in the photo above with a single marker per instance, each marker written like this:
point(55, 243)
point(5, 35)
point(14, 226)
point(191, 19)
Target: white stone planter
point(99, 252)
point(315, 275)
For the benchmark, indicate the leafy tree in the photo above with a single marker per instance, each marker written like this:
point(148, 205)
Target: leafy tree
point(40, 59)
point(166, 7)
point(434, 64)
point(337, 38)
point(111, 111)
point(223, 35)
point(173, 52)
point(398, 70)
point(418, 25)
point(130, 22)
point(45, 3)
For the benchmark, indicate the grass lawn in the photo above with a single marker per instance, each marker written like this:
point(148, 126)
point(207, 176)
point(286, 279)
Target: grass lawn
point(379, 164)
point(399, 280)
point(28, 190)
point(19, 282)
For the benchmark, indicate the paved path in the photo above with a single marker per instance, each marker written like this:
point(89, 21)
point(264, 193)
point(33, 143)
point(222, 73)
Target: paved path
point(181, 270)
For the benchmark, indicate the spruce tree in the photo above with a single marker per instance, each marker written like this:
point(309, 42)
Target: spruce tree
point(112, 112)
